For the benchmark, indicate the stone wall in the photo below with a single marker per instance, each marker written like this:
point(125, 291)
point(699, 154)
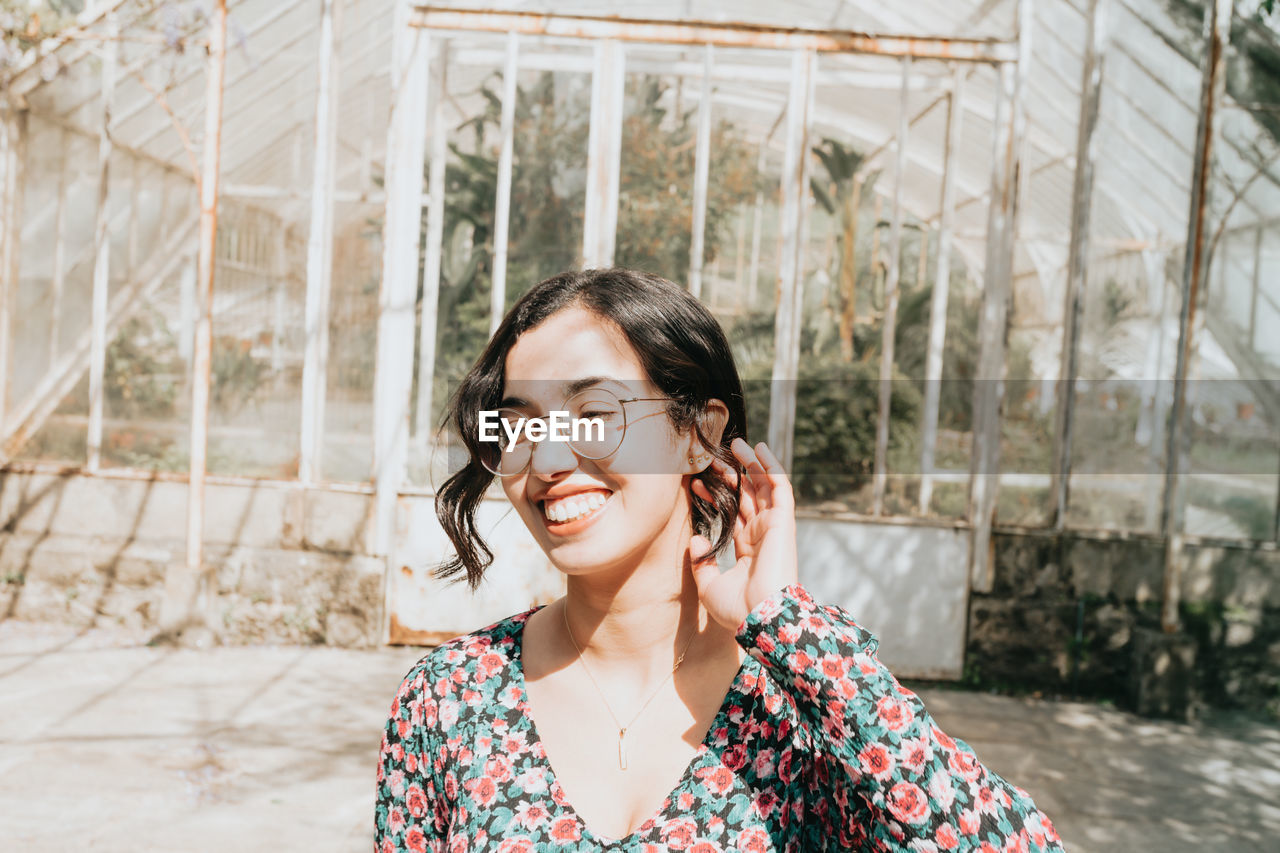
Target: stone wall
point(1065, 615)
point(290, 563)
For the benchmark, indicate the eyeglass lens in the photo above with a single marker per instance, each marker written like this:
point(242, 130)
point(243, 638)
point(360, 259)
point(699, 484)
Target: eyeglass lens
point(597, 423)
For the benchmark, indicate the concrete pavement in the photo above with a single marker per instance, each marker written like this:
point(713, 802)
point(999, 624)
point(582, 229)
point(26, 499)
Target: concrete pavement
point(107, 745)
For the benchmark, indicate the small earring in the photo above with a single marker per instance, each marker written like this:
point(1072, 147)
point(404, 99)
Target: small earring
point(691, 460)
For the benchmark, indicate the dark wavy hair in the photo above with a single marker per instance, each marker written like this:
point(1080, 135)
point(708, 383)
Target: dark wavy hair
point(682, 349)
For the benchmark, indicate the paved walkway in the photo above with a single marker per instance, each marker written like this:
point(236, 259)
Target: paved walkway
point(108, 746)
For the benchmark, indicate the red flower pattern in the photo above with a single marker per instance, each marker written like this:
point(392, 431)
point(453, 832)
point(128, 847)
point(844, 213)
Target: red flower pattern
point(816, 747)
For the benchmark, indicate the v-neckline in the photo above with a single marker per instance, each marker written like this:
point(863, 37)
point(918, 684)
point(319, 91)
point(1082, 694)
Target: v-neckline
point(554, 787)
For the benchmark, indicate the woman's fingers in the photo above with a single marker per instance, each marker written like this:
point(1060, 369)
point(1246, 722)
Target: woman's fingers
point(746, 499)
point(726, 471)
point(779, 485)
point(700, 489)
point(756, 474)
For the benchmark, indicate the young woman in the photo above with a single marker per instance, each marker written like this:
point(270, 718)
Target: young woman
point(660, 704)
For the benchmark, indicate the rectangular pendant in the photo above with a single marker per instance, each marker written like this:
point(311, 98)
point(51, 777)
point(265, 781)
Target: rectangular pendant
point(622, 749)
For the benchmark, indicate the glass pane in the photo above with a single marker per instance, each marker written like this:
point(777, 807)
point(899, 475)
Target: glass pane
point(258, 343)
point(1144, 140)
point(353, 333)
point(548, 185)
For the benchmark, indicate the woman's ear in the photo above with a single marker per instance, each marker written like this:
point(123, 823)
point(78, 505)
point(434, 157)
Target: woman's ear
point(711, 422)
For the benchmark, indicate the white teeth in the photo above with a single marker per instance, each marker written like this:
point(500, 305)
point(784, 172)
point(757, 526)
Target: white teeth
point(576, 506)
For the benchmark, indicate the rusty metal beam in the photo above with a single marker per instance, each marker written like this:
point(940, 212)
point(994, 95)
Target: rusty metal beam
point(1077, 256)
point(1217, 29)
point(184, 593)
point(719, 34)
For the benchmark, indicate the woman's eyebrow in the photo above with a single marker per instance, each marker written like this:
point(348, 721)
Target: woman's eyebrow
point(514, 403)
point(588, 382)
point(568, 390)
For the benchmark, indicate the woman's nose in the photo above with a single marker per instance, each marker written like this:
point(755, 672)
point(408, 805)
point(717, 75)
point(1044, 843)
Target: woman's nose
point(552, 458)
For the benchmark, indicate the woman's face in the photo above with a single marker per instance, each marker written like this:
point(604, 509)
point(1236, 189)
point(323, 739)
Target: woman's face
point(607, 513)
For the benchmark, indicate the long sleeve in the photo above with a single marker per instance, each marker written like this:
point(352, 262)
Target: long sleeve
point(410, 815)
point(923, 790)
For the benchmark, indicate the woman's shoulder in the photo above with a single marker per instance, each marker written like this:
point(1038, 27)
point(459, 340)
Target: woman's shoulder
point(469, 672)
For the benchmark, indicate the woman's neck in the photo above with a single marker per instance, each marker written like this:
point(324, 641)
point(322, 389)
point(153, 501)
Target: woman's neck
point(636, 619)
point(639, 620)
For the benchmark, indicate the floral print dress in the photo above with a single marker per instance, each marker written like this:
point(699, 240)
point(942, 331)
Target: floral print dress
point(815, 747)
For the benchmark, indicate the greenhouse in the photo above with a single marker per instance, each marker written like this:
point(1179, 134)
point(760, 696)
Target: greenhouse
point(1001, 276)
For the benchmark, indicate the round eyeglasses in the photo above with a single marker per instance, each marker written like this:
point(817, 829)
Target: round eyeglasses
point(595, 426)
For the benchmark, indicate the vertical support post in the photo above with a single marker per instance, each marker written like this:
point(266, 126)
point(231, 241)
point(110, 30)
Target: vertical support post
point(757, 230)
point(740, 253)
point(875, 241)
point(13, 155)
point(1151, 422)
point(941, 287)
point(922, 259)
point(701, 175)
point(786, 357)
point(1254, 287)
point(187, 315)
point(393, 377)
point(1077, 257)
point(434, 249)
point(185, 592)
point(280, 272)
point(604, 155)
point(101, 251)
point(1010, 127)
point(887, 328)
point(166, 189)
point(849, 268)
point(502, 206)
point(135, 190)
point(1218, 293)
point(1217, 30)
point(1275, 525)
point(57, 284)
point(806, 209)
point(315, 361)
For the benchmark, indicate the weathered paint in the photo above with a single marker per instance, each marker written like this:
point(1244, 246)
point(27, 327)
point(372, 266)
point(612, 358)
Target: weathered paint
point(1217, 31)
point(424, 609)
point(713, 33)
point(1077, 258)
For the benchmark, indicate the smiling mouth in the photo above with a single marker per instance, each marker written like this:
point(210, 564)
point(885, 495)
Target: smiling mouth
point(564, 511)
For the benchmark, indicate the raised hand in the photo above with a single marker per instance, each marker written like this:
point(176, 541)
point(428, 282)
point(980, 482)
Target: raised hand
point(764, 538)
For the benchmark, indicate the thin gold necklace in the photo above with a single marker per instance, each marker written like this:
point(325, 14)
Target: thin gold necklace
point(622, 730)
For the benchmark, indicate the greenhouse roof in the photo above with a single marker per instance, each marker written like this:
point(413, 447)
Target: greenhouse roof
point(1145, 135)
